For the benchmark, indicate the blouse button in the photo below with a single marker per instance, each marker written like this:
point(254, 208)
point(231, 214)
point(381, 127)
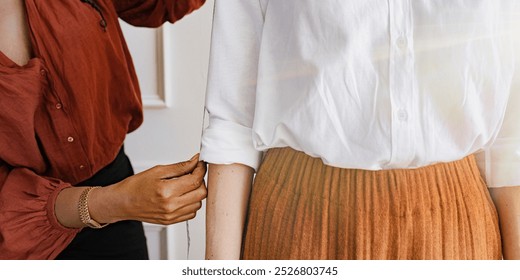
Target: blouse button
point(401, 43)
point(43, 72)
point(82, 167)
point(58, 106)
point(70, 139)
point(402, 115)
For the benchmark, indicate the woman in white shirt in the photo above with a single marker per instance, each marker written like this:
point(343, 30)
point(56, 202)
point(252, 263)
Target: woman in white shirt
point(364, 121)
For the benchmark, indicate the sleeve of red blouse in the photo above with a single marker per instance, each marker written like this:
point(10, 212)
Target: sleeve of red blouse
point(153, 13)
point(28, 225)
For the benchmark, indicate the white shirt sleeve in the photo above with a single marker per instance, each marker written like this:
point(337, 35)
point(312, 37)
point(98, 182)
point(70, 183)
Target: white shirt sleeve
point(500, 163)
point(232, 80)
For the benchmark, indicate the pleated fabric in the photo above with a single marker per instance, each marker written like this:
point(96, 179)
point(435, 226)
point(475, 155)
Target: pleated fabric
point(302, 209)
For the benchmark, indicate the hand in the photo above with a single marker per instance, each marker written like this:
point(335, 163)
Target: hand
point(162, 195)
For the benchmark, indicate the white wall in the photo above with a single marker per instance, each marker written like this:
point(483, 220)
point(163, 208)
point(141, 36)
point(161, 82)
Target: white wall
point(172, 66)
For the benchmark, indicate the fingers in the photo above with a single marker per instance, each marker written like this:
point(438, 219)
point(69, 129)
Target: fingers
point(186, 183)
point(170, 171)
point(196, 195)
point(200, 170)
point(184, 218)
point(169, 210)
point(193, 196)
point(186, 213)
point(170, 207)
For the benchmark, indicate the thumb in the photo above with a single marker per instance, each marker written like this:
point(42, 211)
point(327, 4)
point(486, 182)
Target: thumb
point(178, 169)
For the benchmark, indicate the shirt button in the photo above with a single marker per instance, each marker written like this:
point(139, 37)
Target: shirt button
point(70, 139)
point(82, 167)
point(43, 72)
point(401, 43)
point(402, 115)
point(58, 106)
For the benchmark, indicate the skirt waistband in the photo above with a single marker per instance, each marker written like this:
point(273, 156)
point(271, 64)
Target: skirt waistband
point(287, 162)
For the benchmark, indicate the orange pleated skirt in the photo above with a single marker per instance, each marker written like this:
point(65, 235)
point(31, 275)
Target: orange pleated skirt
point(302, 209)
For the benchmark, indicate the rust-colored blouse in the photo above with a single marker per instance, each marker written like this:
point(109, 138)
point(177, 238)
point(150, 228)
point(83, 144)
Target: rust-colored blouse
point(65, 114)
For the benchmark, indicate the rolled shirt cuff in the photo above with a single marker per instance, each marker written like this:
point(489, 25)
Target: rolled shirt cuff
point(227, 143)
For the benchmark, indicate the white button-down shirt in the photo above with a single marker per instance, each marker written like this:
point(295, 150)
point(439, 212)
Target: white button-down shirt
point(372, 84)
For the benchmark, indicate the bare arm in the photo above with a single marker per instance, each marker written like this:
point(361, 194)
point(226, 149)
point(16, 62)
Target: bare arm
point(229, 187)
point(162, 195)
point(507, 201)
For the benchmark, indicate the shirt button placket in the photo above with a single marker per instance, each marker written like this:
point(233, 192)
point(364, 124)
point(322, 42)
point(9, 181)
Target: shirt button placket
point(82, 167)
point(401, 82)
point(58, 105)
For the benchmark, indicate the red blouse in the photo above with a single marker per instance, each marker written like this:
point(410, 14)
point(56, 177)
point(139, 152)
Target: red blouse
point(65, 114)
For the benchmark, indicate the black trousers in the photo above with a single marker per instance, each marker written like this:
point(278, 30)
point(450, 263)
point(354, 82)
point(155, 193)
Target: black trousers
point(123, 240)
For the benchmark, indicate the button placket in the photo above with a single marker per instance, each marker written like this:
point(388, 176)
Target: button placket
point(75, 154)
point(57, 103)
point(401, 82)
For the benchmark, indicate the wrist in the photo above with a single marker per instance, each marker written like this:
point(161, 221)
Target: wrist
point(84, 211)
point(105, 205)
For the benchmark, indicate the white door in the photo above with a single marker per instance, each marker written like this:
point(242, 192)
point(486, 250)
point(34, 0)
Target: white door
point(172, 64)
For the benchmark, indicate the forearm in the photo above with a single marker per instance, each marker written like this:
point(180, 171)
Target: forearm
point(229, 187)
point(507, 202)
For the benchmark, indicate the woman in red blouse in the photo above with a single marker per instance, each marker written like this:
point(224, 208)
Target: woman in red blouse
point(69, 95)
